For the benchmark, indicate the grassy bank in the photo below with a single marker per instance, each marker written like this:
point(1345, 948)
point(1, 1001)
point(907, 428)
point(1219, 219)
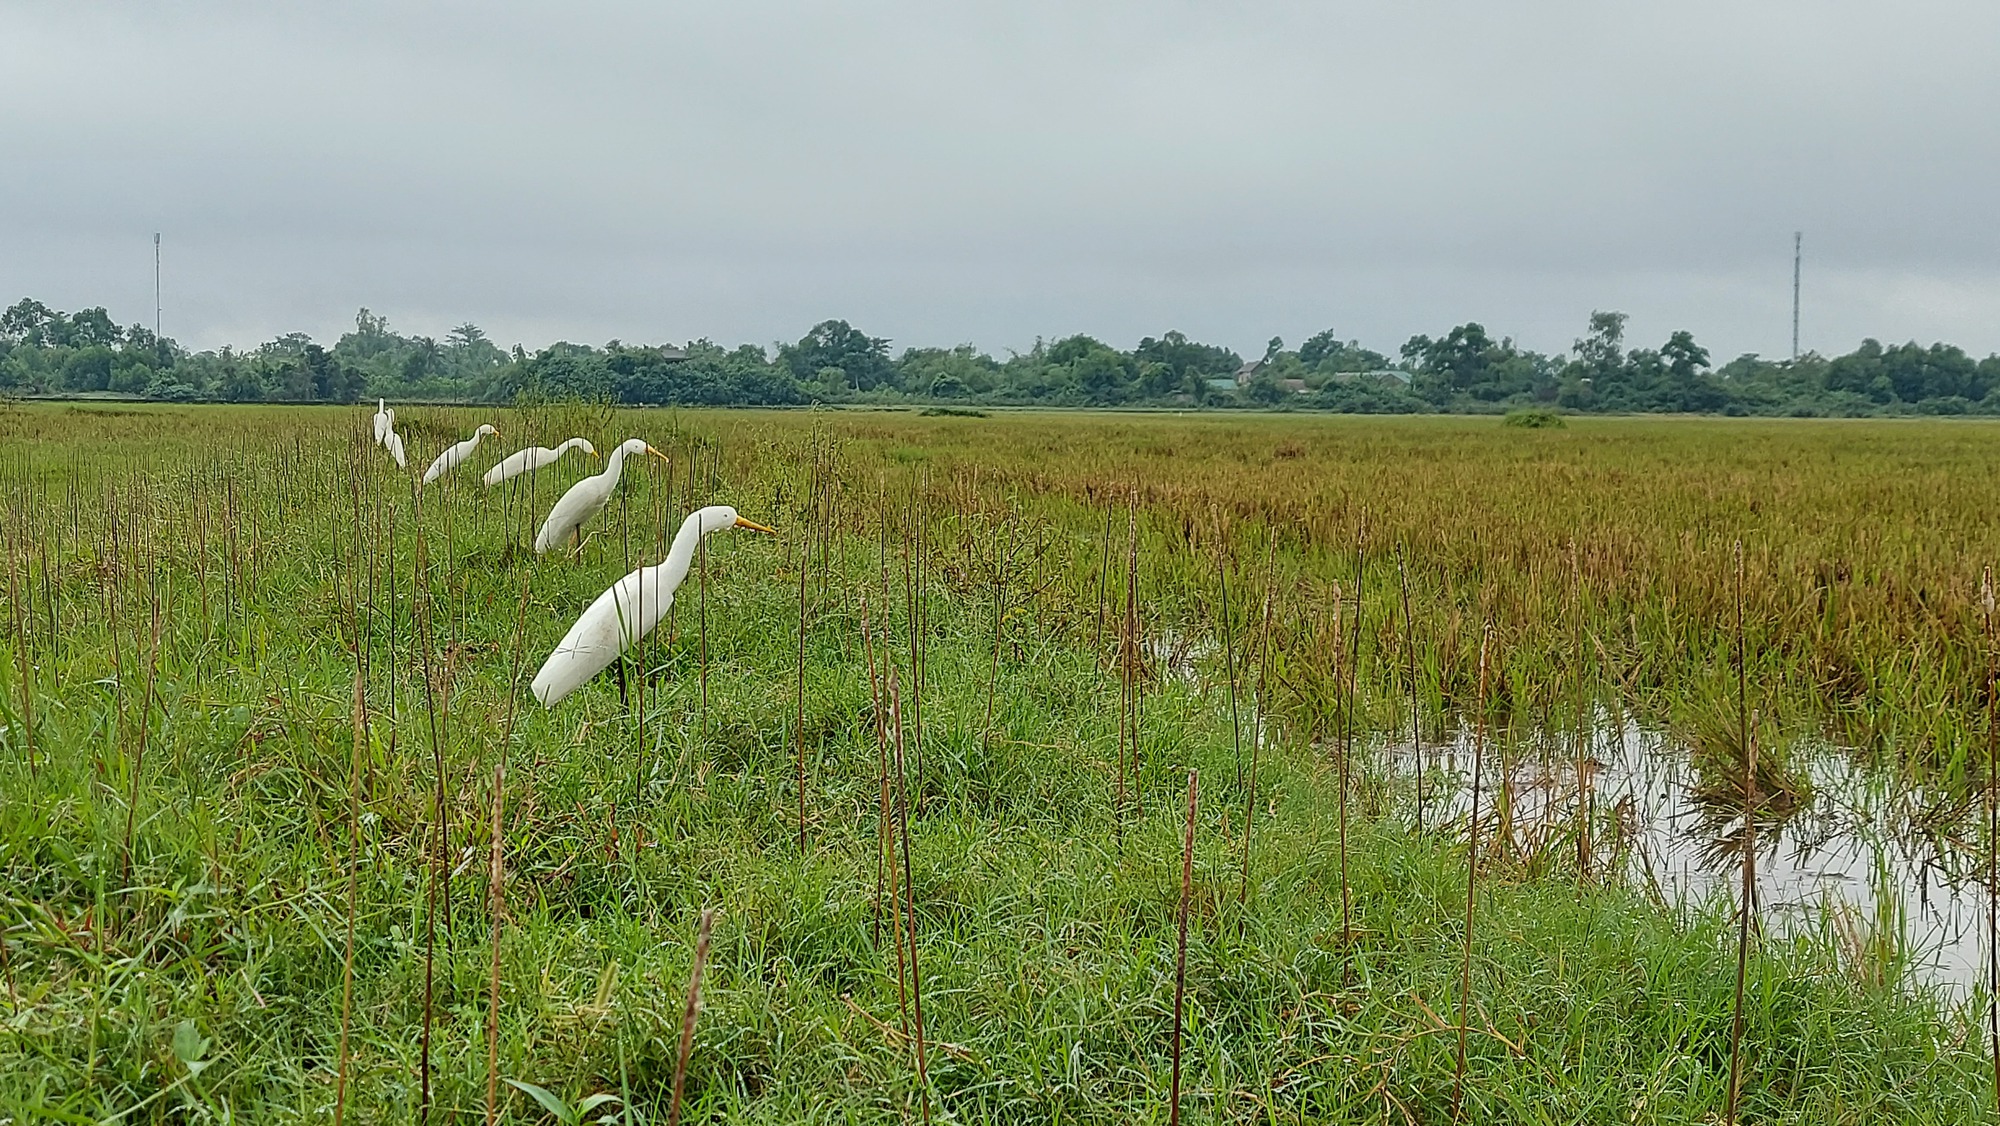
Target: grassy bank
point(194, 593)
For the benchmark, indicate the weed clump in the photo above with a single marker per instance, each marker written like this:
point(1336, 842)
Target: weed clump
point(1534, 418)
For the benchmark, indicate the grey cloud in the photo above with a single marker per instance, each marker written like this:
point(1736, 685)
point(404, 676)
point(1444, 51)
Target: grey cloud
point(993, 172)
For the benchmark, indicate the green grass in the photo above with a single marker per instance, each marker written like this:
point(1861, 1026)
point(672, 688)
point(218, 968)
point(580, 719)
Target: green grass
point(1046, 923)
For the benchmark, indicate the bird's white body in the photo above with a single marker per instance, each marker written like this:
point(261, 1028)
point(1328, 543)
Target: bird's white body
point(628, 610)
point(381, 423)
point(534, 457)
point(395, 443)
point(453, 455)
point(587, 497)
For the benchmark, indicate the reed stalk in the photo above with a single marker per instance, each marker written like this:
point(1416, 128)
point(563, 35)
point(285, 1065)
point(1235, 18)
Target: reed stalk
point(1180, 956)
point(701, 592)
point(145, 724)
point(496, 910)
point(353, 892)
point(1471, 880)
point(1585, 796)
point(1257, 736)
point(689, 1013)
point(999, 624)
point(439, 843)
point(1410, 658)
point(1103, 577)
point(1347, 732)
point(1229, 662)
point(1132, 648)
point(1992, 797)
point(24, 682)
point(909, 895)
point(800, 723)
point(881, 773)
point(1748, 904)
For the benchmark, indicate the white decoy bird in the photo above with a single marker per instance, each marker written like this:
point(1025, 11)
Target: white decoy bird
point(394, 442)
point(534, 457)
point(381, 422)
point(588, 497)
point(449, 459)
point(629, 609)
point(388, 427)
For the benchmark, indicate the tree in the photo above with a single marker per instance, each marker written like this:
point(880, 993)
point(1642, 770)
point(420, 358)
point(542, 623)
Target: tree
point(29, 322)
point(1100, 371)
point(836, 344)
point(1326, 352)
point(1175, 363)
point(1685, 359)
point(93, 328)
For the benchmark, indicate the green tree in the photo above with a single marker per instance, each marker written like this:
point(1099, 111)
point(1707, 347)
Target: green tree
point(864, 359)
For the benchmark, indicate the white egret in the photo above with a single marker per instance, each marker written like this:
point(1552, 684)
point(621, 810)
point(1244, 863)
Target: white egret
point(629, 609)
point(534, 457)
point(588, 497)
point(395, 444)
point(452, 455)
point(381, 422)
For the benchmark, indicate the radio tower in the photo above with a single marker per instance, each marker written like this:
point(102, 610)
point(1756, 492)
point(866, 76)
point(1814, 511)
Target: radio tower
point(1798, 237)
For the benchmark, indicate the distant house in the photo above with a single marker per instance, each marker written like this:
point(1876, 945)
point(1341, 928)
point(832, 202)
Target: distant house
point(669, 352)
point(1248, 372)
point(1295, 386)
point(1221, 383)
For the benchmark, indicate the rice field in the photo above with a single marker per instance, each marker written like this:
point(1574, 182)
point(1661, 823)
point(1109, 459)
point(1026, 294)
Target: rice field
point(1043, 767)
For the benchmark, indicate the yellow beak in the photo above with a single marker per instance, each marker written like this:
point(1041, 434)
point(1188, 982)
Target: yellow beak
point(755, 527)
point(658, 454)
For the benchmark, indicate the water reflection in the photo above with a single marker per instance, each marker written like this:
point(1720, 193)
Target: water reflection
point(1859, 856)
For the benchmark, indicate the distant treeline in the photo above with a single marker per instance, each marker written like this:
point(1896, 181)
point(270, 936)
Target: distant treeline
point(45, 351)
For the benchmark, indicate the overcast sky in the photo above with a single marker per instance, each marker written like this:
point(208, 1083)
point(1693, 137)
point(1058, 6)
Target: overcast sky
point(989, 172)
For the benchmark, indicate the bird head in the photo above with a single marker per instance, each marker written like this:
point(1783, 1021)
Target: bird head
point(716, 517)
point(484, 430)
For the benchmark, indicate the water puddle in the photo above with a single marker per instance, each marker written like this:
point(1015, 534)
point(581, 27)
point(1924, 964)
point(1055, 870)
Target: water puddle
point(1866, 858)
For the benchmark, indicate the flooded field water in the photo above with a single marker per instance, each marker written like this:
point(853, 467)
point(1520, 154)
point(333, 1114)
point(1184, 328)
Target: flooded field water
point(1862, 857)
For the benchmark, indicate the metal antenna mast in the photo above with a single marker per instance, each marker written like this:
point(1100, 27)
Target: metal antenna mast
point(1797, 238)
point(156, 291)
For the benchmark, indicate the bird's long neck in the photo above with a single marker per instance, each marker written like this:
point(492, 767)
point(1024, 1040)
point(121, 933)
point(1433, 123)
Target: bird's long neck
point(674, 570)
point(614, 468)
point(568, 446)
